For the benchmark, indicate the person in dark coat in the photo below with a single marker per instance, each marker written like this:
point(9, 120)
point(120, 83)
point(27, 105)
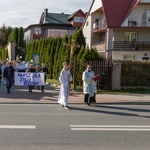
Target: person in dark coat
point(9, 76)
point(44, 70)
point(37, 70)
point(31, 69)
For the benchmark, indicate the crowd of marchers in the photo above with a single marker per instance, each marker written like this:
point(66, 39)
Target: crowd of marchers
point(89, 81)
point(7, 74)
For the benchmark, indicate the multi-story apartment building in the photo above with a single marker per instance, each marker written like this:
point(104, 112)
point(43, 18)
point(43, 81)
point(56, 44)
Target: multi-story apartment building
point(119, 29)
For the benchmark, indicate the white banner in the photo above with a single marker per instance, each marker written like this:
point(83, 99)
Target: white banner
point(21, 65)
point(29, 79)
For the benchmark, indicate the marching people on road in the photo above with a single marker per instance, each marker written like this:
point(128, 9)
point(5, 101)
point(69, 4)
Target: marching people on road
point(2, 71)
point(44, 70)
point(37, 70)
point(31, 69)
point(9, 76)
point(89, 85)
point(64, 78)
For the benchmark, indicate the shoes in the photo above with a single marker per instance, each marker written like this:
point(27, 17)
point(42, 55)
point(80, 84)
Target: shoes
point(66, 107)
point(88, 104)
point(30, 91)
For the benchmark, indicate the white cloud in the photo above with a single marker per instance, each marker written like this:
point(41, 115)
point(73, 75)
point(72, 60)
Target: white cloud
point(23, 13)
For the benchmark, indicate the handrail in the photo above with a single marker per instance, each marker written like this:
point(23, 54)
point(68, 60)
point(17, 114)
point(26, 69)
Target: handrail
point(131, 45)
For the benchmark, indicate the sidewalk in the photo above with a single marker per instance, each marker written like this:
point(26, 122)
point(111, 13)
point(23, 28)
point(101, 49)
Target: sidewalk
point(20, 95)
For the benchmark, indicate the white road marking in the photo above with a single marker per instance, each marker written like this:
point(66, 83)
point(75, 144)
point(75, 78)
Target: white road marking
point(109, 128)
point(17, 127)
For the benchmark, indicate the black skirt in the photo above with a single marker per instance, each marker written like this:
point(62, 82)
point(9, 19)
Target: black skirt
point(88, 99)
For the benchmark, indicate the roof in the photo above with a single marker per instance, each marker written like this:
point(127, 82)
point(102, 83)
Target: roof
point(73, 14)
point(57, 18)
point(116, 12)
point(50, 26)
point(88, 13)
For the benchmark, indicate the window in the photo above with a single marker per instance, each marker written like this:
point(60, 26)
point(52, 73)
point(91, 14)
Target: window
point(87, 23)
point(56, 33)
point(129, 57)
point(37, 31)
point(130, 36)
point(79, 19)
point(146, 17)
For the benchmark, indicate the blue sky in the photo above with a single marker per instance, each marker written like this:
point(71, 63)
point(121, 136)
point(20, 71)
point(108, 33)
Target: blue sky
point(18, 13)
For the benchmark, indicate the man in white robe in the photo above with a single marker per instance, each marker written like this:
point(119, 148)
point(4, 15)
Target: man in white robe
point(64, 78)
point(89, 85)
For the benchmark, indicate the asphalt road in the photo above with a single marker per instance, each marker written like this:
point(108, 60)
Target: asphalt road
point(51, 127)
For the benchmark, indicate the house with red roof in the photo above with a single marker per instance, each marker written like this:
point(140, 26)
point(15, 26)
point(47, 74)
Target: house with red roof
point(119, 29)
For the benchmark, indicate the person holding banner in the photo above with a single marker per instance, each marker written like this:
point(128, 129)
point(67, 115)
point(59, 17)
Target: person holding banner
point(64, 78)
point(31, 69)
point(37, 70)
point(9, 76)
point(2, 71)
point(45, 71)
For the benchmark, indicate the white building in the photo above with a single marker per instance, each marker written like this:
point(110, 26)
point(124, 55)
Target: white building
point(119, 29)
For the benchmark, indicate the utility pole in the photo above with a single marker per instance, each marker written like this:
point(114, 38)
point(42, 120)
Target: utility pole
point(73, 45)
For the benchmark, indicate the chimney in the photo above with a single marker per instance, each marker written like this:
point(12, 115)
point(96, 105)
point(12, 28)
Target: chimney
point(45, 12)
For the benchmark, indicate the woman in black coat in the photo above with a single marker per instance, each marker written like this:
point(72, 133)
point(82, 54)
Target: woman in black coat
point(31, 69)
point(45, 71)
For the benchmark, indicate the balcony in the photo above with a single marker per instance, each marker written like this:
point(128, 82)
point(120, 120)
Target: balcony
point(99, 25)
point(37, 36)
point(99, 46)
point(136, 22)
point(131, 46)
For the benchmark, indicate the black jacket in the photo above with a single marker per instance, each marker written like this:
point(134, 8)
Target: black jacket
point(31, 70)
point(44, 70)
point(6, 72)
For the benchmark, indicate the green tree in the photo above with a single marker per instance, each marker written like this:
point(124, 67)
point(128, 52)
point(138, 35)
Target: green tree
point(4, 34)
point(56, 58)
point(16, 32)
point(20, 37)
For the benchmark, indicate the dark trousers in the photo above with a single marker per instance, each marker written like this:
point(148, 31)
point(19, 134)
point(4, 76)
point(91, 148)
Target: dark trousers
point(8, 84)
point(88, 99)
point(42, 88)
point(30, 88)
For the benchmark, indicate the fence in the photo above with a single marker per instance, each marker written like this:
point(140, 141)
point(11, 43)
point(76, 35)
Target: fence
point(103, 68)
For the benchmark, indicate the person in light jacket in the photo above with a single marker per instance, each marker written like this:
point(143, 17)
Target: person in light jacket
point(89, 85)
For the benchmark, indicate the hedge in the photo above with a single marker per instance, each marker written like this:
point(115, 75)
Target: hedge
point(135, 73)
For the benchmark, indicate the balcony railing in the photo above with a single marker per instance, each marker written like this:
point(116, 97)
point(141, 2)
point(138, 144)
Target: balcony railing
point(99, 25)
point(99, 46)
point(138, 22)
point(128, 46)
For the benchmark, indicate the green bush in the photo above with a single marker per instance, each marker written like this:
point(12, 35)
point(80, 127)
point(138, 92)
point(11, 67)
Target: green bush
point(135, 73)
